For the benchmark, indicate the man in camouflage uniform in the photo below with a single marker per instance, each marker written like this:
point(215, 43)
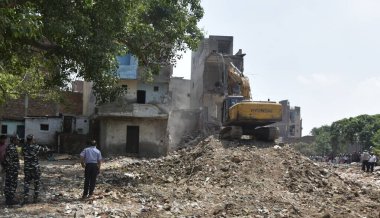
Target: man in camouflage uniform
point(3, 147)
point(11, 166)
point(32, 167)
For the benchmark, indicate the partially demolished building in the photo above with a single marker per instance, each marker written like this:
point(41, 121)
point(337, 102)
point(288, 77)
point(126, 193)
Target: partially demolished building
point(209, 85)
point(209, 65)
point(291, 125)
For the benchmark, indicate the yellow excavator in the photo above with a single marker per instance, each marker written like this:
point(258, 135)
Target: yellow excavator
point(242, 116)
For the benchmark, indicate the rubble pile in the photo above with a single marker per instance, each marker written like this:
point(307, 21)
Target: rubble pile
point(214, 178)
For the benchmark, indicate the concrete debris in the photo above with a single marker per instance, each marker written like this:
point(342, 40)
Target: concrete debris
point(213, 178)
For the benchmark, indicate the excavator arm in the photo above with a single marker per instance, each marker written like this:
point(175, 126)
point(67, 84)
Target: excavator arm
point(238, 84)
point(242, 116)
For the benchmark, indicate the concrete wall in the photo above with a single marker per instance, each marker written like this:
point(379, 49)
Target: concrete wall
point(198, 59)
point(89, 100)
point(284, 124)
point(33, 126)
point(221, 44)
point(11, 126)
point(212, 105)
point(179, 89)
point(153, 139)
point(295, 122)
point(291, 124)
point(82, 125)
point(155, 97)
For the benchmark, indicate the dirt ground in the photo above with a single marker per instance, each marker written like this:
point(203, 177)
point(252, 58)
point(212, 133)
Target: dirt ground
point(212, 179)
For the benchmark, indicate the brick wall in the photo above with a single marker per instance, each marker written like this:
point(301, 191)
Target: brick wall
point(71, 104)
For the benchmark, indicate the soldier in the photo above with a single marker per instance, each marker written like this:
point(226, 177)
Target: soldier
point(31, 167)
point(11, 166)
point(3, 146)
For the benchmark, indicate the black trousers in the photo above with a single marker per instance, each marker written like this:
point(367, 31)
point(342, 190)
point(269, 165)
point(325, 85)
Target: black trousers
point(90, 173)
point(365, 165)
point(371, 166)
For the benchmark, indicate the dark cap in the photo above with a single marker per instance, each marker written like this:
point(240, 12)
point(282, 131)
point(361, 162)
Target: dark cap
point(29, 137)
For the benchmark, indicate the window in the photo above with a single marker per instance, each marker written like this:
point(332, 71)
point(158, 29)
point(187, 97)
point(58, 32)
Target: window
point(4, 129)
point(44, 127)
point(155, 88)
point(125, 88)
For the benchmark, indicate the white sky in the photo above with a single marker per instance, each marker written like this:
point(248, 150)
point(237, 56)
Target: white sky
point(321, 55)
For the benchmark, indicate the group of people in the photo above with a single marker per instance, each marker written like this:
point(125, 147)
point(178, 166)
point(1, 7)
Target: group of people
point(369, 160)
point(10, 165)
point(341, 158)
point(91, 159)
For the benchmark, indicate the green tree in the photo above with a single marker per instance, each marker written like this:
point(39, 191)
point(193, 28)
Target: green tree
point(44, 44)
point(376, 142)
point(304, 148)
point(322, 143)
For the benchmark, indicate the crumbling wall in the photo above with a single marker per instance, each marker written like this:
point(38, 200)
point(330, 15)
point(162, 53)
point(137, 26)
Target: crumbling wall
point(182, 123)
point(179, 89)
point(198, 59)
point(213, 108)
point(214, 74)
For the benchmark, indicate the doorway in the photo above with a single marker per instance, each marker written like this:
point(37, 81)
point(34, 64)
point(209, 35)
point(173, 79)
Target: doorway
point(141, 96)
point(20, 131)
point(133, 133)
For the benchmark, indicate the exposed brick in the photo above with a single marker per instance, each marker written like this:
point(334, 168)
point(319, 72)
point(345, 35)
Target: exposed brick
point(71, 104)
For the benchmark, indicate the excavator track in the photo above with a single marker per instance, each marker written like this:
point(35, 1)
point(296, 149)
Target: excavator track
point(266, 133)
point(262, 133)
point(231, 132)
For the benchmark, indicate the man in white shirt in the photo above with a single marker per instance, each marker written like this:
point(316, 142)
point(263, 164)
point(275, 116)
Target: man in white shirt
point(371, 162)
point(91, 159)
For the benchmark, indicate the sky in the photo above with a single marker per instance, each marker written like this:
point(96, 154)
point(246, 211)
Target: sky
point(321, 55)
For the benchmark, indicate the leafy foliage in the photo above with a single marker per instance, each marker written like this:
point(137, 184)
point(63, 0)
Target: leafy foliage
point(45, 44)
point(322, 143)
point(305, 148)
point(362, 130)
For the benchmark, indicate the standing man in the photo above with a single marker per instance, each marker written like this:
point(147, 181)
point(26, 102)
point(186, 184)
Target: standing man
point(32, 167)
point(11, 167)
point(3, 146)
point(364, 158)
point(91, 159)
point(372, 160)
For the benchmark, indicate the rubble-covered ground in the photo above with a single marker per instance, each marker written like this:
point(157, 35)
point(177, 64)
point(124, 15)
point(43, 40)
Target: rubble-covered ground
point(212, 179)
